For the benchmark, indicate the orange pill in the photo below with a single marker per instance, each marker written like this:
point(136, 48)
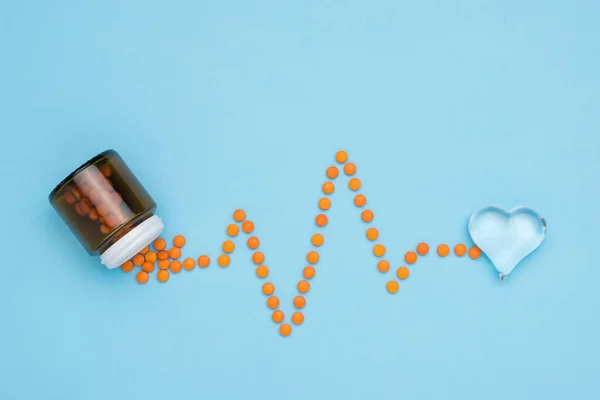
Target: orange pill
point(443, 250)
point(258, 257)
point(203, 261)
point(324, 203)
point(175, 266)
point(175, 252)
point(402, 273)
point(460, 250)
point(127, 266)
point(148, 266)
point(297, 318)
point(239, 215)
point(350, 169)
point(367, 216)
point(354, 184)
point(360, 200)
point(392, 286)
point(138, 260)
point(299, 302)
point(162, 275)
point(285, 330)
point(474, 252)
point(189, 264)
point(309, 272)
point(312, 257)
point(341, 156)
point(145, 250)
point(228, 246)
point(321, 220)
point(379, 250)
point(179, 241)
point(248, 226)
point(253, 242)
point(422, 248)
point(233, 230)
point(262, 271)
point(151, 256)
point(162, 255)
point(277, 316)
point(410, 257)
point(142, 277)
point(268, 288)
point(104, 229)
point(163, 264)
point(383, 266)
point(160, 244)
point(332, 172)
point(303, 286)
point(372, 234)
point(102, 209)
point(71, 199)
point(273, 302)
point(328, 187)
point(93, 215)
point(317, 239)
point(223, 260)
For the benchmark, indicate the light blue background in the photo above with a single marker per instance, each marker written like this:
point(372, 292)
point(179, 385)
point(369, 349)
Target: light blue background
point(444, 106)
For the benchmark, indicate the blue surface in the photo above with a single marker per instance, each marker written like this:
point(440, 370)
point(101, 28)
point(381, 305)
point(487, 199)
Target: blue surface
point(218, 105)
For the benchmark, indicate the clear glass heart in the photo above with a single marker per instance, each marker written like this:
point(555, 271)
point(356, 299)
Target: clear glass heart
point(507, 237)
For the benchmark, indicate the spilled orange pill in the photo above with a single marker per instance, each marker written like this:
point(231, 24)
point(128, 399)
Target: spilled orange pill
point(410, 257)
point(142, 277)
point(299, 302)
point(233, 230)
point(460, 250)
point(474, 252)
point(223, 260)
point(228, 246)
point(162, 275)
point(189, 264)
point(402, 273)
point(258, 257)
point(163, 255)
point(203, 261)
point(332, 172)
point(273, 302)
point(151, 256)
point(248, 226)
point(262, 271)
point(148, 266)
point(372, 234)
point(268, 288)
point(379, 250)
point(383, 266)
point(297, 318)
point(392, 286)
point(317, 239)
point(179, 241)
point(350, 169)
point(138, 260)
point(341, 156)
point(312, 257)
point(303, 286)
point(321, 220)
point(443, 250)
point(367, 215)
point(160, 244)
point(285, 330)
point(127, 266)
point(277, 316)
point(239, 215)
point(328, 187)
point(422, 248)
point(175, 266)
point(253, 242)
point(324, 203)
point(354, 184)
point(360, 200)
point(163, 264)
point(175, 252)
point(309, 272)
point(145, 250)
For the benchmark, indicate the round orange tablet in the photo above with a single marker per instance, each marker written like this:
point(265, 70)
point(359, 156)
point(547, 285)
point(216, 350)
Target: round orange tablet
point(162, 275)
point(163, 255)
point(189, 264)
point(312, 257)
point(402, 273)
point(383, 266)
point(262, 271)
point(341, 156)
point(142, 277)
point(354, 184)
point(163, 264)
point(379, 250)
point(350, 169)
point(332, 172)
point(151, 256)
point(328, 187)
point(324, 203)
point(317, 239)
point(474, 252)
point(299, 302)
point(460, 250)
point(253, 242)
point(248, 226)
point(148, 266)
point(321, 220)
point(392, 286)
point(303, 286)
point(175, 252)
point(309, 272)
point(138, 260)
point(175, 266)
point(228, 246)
point(367, 216)
point(203, 261)
point(422, 248)
point(273, 302)
point(233, 230)
point(360, 200)
point(410, 257)
point(145, 250)
point(179, 241)
point(223, 260)
point(258, 257)
point(297, 318)
point(285, 330)
point(443, 250)
point(277, 316)
point(239, 215)
point(160, 244)
point(268, 288)
point(372, 234)
point(127, 266)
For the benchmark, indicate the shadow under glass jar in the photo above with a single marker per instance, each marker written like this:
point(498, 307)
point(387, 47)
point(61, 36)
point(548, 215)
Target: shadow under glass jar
point(108, 209)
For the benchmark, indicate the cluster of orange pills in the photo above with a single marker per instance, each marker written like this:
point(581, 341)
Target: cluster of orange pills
point(168, 260)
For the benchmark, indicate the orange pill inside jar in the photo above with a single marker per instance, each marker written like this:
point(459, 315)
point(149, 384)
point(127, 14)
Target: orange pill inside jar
point(108, 209)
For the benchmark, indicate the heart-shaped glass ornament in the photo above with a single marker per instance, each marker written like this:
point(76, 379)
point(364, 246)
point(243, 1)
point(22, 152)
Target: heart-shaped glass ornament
point(507, 237)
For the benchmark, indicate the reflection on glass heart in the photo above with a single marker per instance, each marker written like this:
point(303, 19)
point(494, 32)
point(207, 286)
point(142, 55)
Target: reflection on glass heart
point(507, 237)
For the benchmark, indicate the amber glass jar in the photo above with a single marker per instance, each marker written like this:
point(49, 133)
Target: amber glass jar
point(108, 209)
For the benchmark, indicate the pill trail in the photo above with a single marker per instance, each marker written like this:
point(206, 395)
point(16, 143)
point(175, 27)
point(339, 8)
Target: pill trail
point(168, 260)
